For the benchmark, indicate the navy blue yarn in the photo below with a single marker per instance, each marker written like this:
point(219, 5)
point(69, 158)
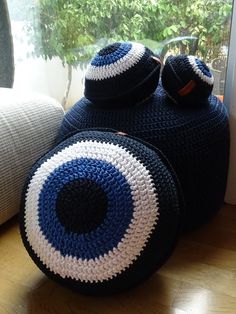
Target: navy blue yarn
point(203, 68)
point(81, 206)
point(119, 212)
point(109, 49)
point(101, 60)
point(177, 73)
point(194, 139)
point(163, 238)
point(135, 84)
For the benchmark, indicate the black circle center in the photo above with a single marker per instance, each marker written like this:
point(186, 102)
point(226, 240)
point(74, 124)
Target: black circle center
point(81, 206)
point(109, 49)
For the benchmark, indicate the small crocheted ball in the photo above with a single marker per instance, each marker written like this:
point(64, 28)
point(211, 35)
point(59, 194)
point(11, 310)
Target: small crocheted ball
point(122, 73)
point(100, 212)
point(187, 80)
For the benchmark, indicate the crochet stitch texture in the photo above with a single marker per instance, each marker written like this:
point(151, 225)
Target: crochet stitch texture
point(134, 228)
point(136, 162)
point(193, 134)
point(187, 80)
point(122, 73)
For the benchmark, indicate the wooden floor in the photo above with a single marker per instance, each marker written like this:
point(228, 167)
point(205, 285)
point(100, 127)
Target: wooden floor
point(199, 278)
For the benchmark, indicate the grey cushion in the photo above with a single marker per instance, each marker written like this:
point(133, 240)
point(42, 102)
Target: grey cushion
point(29, 124)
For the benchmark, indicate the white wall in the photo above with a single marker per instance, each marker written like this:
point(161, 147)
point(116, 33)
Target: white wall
point(48, 77)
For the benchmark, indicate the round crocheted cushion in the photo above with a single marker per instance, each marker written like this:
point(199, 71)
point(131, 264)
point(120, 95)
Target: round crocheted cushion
point(100, 212)
point(187, 80)
point(122, 74)
point(194, 139)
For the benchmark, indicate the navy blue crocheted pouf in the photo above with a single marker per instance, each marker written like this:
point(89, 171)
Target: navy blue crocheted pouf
point(194, 137)
point(100, 212)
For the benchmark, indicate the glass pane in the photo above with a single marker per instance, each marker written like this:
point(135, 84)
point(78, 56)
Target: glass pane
point(54, 40)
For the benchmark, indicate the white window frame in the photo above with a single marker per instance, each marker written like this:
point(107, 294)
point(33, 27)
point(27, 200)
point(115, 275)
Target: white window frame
point(230, 85)
point(230, 101)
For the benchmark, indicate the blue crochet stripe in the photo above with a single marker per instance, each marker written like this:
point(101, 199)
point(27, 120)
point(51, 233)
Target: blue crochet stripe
point(99, 61)
point(203, 68)
point(118, 217)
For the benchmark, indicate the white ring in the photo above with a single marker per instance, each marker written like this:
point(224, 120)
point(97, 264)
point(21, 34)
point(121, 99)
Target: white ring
point(205, 78)
point(145, 214)
point(133, 56)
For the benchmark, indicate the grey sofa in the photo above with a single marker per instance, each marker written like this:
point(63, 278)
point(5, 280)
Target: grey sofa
point(29, 124)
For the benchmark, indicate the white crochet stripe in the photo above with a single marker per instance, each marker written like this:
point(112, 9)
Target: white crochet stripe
point(145, 214)
point(98, 73)
point(205, 78)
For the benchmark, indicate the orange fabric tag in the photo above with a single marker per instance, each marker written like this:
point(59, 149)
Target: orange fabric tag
point(187, 88)
point(121, 133)
point(221, 97)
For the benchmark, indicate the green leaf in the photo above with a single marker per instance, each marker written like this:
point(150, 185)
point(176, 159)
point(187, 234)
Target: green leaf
point(69, 29)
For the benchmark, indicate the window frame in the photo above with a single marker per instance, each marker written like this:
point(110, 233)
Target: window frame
point(230, 84)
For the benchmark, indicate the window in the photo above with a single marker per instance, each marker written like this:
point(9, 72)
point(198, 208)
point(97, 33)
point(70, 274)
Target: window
point(54, 40)
point(230, 85)
point(230, 100)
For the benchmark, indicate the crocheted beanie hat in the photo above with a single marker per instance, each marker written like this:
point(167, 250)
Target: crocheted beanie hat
point(122, 73)
point(100, 212)
point(187, 80)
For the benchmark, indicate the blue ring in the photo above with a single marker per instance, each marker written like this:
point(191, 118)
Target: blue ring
point(99, 61)
point(203, 68)
point(119, 212)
